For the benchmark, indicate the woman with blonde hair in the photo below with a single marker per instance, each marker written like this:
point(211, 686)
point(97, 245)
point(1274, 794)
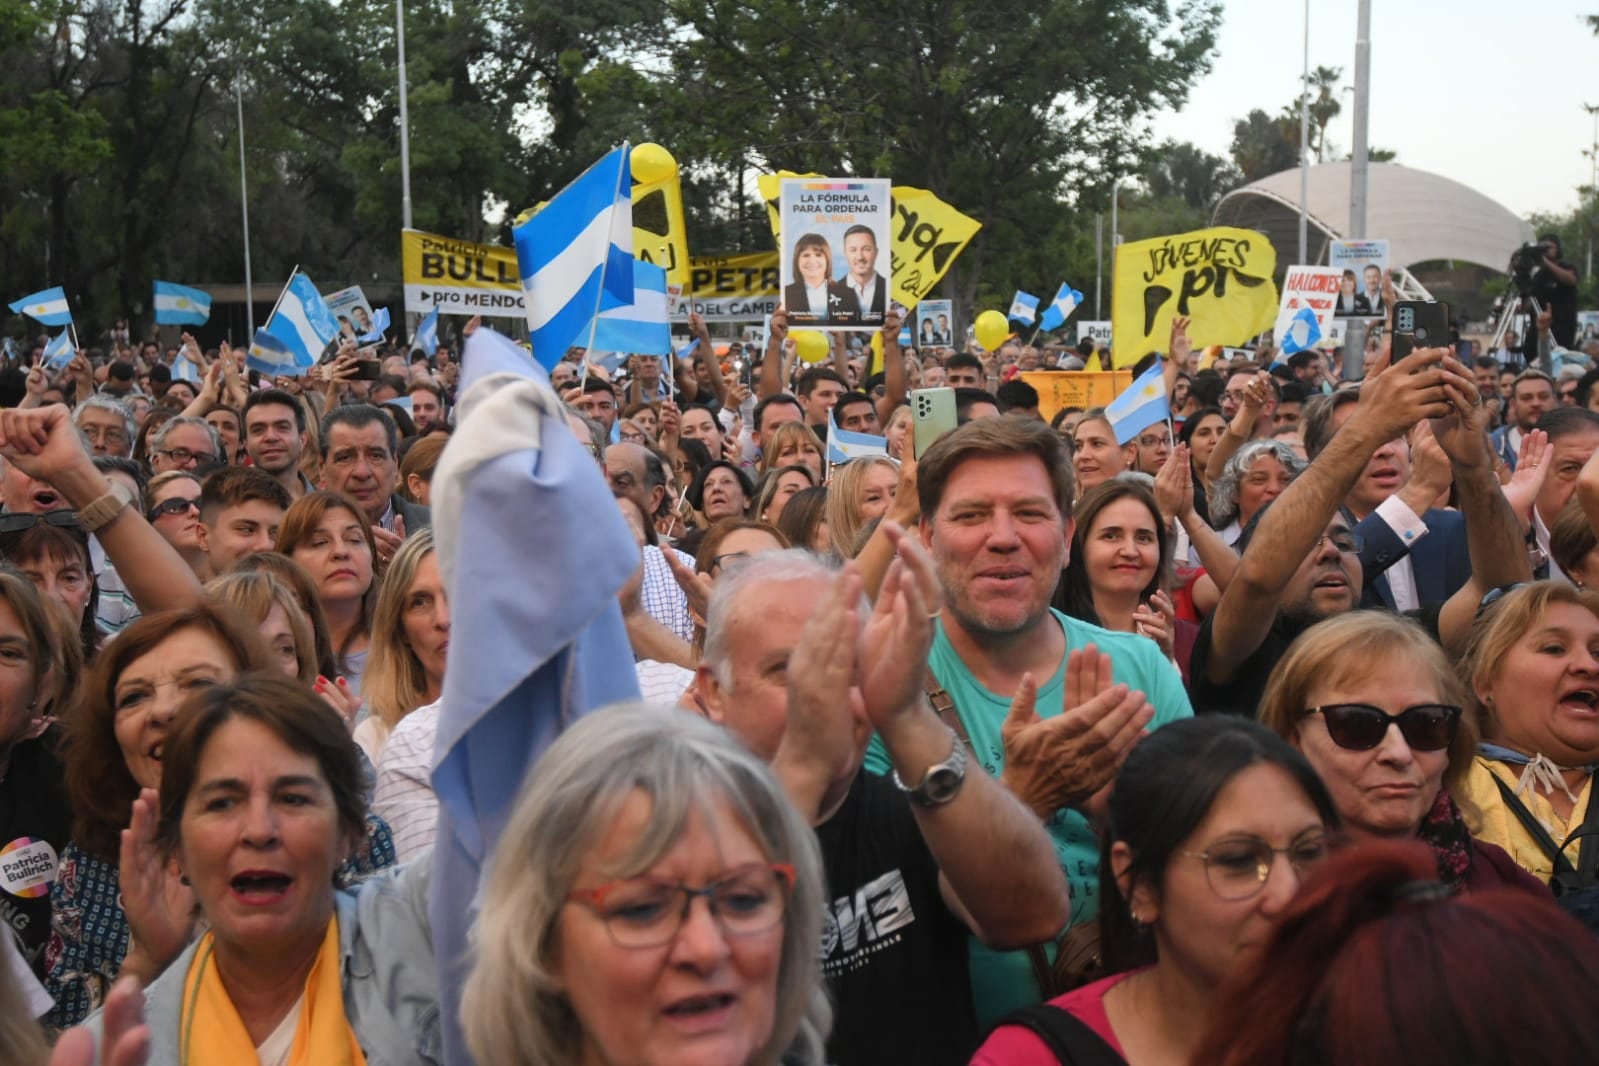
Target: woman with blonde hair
point(410, 638)
point(790, 443)
point(1533, 669)
point(860, 492)
point(1372, 701)
point(590, 898)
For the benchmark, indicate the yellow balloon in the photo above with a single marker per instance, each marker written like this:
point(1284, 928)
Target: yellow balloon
point(992, 329)
point(811, 345)
point(651, 162)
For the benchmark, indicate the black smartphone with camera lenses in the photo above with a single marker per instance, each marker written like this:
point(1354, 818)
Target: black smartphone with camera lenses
point(1419, 324)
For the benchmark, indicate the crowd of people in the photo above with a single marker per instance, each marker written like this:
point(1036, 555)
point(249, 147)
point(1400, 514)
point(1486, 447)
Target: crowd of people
point(1265, 734)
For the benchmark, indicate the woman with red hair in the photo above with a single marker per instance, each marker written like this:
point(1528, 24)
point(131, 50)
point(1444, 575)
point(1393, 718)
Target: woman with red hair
point(1377, 961)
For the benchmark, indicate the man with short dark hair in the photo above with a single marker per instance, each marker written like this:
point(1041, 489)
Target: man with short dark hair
point(819, 389)
point(1016, 397)
point(971, 403)
point(428, 411)
point(1532, 392)
point(963, 371)
point(359, 444)
point(770, 413)
point(857, 413)
point(870, 287)
point(1290, 405)
point(275, 437)
point(241, 509)
point(1573, 439)
point(598, 401)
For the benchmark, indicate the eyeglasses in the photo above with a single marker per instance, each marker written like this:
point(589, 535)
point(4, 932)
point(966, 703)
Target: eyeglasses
point(643, 912)
point(1361, 727)
point(718, 562)
point(1238, 869)
point(16, 523)
point(1344, 540)
point(176, 505)
point(184, 455)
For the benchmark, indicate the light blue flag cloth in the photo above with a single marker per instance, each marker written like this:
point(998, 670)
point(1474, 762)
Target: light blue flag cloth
point(179, 305)
point(183, 369)
point(48, 307)
point(427, 334)
point(533, 551)
point(1303, 333)
point(844, 445)
point(1142, 405)
point(302, 323)
point(1023, 307)
point(380, 326)
point(59, 352)
point(575, 257)
point(640, 328)
point(1066, 300)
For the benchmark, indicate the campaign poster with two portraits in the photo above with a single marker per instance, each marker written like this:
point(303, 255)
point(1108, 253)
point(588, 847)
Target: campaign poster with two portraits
point(835, 262)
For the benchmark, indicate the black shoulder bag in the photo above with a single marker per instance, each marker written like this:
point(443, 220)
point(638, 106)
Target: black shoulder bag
point(1575, 887)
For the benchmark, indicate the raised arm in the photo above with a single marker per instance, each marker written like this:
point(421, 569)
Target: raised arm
point(705, 356)
point(1392, 400)
point(893, 369)
point(1240, 429)
point(44, 444)
point(773, 370)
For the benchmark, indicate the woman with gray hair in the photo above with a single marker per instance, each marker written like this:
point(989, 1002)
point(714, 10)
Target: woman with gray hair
point(1255, 475)
point(592, 944)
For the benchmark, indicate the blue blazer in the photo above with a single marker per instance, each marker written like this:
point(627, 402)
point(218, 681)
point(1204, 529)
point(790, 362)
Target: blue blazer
point(1440, 560)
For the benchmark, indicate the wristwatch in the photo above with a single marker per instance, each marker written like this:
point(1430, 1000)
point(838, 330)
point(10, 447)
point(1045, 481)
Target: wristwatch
point(102, 510)
point(942, 781)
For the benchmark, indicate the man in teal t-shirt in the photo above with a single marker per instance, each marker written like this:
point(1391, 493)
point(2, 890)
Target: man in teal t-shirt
point(996, 502)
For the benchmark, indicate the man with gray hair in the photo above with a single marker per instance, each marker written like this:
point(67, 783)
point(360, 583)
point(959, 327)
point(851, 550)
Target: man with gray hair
point(184, 443)
point(917, 861)
point(107, 424)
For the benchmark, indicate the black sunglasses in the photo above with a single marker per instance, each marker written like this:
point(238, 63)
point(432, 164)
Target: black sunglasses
point(176, 505)
point(1361, 727)
point(16, 523)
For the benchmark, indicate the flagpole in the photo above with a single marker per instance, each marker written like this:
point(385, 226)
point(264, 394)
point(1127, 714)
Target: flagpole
point(405, 119)
point(244, 206)
point(599, 297)
point(281, 294)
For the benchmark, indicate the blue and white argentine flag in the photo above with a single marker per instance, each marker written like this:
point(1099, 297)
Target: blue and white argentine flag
point(427, 334)
point(179, 305)
point(640, 328)
point(1023, 307)
point(1066, 300)
point(59, 352)
point(48, 307)
point(299, 330)
point(380, 326)
point(576, 257)
point(1141, 406)
point(844, 445)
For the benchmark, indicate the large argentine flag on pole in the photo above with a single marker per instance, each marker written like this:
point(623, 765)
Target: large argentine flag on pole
point(576, 257)
point(300, 328)
point(179, 305)
point(640, 328)
point(48, 307)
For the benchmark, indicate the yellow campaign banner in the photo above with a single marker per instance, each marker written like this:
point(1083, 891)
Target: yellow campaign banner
point(731, 288)
point(927, 235)
point(457, 277)
point(1221, 278)
point(1075, 388)
point(659, 234)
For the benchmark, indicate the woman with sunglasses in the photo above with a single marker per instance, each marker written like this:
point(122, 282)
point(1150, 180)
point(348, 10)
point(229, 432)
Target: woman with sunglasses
point(1212, 822)
point(1372, 702)
point(175, 513)
point(1533, 668)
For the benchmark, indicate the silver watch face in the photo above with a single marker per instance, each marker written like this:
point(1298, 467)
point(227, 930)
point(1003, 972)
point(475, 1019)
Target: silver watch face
point(942, 784)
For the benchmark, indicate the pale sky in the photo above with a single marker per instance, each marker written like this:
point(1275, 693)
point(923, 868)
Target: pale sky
point(1488, 93)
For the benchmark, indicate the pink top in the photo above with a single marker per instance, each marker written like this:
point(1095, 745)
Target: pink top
point(1012, 1045)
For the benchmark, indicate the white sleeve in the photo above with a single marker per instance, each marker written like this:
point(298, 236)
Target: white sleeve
point(1398, 516)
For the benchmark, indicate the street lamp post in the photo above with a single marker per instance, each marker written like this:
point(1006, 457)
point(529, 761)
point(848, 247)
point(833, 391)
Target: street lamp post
point(405, 119)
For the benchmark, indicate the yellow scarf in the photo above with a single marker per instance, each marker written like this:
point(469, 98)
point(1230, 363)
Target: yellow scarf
point(211, 1032)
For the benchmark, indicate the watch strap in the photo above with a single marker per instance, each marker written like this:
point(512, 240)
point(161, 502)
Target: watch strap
point(106, 507)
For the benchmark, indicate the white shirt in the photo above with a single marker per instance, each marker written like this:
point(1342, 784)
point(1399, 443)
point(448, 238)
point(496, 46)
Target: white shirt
point(1540, 533)
point(866, 293)
point(1402, 574)
point(404, 797)
point(275, 1049)
point(816, 299)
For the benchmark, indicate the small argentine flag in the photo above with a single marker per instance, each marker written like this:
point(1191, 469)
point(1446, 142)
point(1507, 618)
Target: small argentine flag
point(640, 328)
point(183, 368)
point(301, 328)
point(1023, 308)
point(380, 326)
point(59, 352)
point(1060, 309)
point(48, 307)
point(179, 305)
point(1303, 334)
point(427, 333)
point(1141, 406)
point(842, 445)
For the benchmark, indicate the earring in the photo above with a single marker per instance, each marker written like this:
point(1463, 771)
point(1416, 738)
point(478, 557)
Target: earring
point(1138, 923)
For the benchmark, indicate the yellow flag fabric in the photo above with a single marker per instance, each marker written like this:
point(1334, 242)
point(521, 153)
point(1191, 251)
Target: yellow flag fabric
point(659, 233)
point(927, 235)
point(1221, 278)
